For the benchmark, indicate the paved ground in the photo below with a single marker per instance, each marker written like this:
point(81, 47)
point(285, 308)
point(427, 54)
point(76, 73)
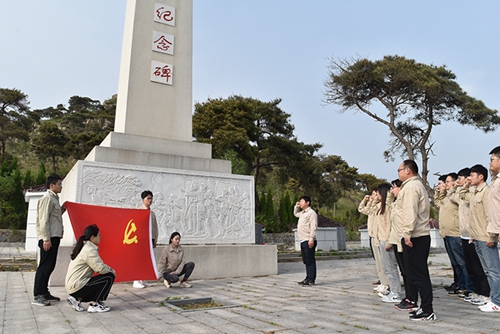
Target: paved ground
point(342, 302)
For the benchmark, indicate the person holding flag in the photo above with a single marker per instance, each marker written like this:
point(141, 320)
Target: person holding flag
point(147, 200)
point(80, 284)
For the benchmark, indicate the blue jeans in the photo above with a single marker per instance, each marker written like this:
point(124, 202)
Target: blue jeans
point(456, 254)
point(491, 264)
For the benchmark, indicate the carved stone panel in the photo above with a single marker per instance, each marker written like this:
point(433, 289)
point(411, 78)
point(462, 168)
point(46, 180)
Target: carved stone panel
point(205, 208)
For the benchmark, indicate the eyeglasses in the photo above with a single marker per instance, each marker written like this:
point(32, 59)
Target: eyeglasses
point(400, 169)
point(494, 158)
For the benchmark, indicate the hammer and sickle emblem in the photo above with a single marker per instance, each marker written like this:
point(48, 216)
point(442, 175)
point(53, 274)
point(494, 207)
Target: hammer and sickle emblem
point(131, 228)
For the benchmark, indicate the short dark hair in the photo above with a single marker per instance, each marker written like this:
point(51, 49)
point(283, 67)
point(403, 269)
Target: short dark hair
point(397, 183)
point(52, 179)
point(496, 151)
point(306, 199)
point(443, 178)
point(145, 194)
point(480, 169)
point(411, 165)
point(464, 172)
point(453, 175)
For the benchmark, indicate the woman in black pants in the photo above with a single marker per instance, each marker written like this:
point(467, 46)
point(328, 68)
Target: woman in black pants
point(81, 285)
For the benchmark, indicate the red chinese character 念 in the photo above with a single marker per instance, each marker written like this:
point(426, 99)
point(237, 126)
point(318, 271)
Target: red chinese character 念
point(162, 43)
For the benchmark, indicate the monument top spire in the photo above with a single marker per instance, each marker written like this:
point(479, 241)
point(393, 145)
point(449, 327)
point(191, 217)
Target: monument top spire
point(155, 85)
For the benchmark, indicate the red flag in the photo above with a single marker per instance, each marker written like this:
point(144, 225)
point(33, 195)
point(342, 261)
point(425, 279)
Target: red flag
point(126, 244)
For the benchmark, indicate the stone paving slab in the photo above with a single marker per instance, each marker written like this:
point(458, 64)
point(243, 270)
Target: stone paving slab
point(342, 301)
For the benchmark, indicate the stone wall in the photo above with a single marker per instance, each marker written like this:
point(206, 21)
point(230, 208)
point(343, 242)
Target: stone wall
point(7, 235)
point(284, 241)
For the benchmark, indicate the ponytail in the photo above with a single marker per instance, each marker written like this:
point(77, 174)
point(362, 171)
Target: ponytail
point(91, 230)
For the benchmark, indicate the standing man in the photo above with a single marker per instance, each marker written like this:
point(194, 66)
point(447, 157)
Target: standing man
point(147, 200)
point(412, 212)
point(49, 230)
point(306, 231)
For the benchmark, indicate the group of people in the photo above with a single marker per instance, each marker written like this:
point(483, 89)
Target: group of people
point(469, 221)
point(88, 278)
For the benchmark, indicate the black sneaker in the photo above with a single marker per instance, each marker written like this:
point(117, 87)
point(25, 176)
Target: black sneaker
point(464, 294)
point(451, 287)
point(51, 298)
point(454, 292)
point(421, 315)
point(40, 301)
point(302, 282)
point(307, 283)
point(406, 305)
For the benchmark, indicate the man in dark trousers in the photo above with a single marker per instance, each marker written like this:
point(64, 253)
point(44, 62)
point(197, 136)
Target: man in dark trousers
point(306, 231)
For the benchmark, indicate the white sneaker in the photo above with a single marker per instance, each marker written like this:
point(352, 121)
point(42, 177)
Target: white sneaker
point(392, 298)
point(382, 288)
point(480, 300)
point(490, 307)
point(185, 285)
point(378, 287)
point(167, 284)
point(75, 304)
point(98, 308)
point(146, 284)
point(138, 285)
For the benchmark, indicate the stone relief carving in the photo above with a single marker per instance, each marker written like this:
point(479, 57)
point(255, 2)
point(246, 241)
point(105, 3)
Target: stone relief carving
point(204, 208)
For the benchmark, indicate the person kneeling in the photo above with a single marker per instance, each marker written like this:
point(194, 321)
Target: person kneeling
point(172, 264)
point(81, 285)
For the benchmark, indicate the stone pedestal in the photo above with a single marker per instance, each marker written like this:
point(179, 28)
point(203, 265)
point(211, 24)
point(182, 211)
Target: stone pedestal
point(329, 238)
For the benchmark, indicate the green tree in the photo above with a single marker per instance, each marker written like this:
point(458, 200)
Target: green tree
point(13, 209)
point(50, 142)
point(15, 122)
point(259, 132)
point(416, 96)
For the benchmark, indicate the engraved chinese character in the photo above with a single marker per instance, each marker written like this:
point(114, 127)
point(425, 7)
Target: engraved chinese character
point(163, 43)
point(164, 14)
point(161, 72)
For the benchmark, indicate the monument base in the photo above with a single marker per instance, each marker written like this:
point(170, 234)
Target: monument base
point(211, 261)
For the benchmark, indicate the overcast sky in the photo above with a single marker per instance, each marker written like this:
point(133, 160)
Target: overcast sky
point(267, 49)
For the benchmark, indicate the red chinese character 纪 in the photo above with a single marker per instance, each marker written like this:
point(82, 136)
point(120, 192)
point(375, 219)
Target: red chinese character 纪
point(164, 14)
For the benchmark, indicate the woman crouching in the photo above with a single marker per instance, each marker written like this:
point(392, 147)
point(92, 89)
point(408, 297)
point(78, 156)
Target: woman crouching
point(172, 264)
point(81, 285)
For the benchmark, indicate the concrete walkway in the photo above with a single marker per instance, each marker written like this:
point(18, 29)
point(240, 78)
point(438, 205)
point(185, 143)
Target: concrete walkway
point(342, 301)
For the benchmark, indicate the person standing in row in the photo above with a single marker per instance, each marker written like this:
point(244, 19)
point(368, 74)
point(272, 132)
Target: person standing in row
point(412, 209)
point(49, 230)
point(306, 231)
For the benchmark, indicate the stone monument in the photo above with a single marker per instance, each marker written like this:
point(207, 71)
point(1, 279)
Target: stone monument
point(151, 148)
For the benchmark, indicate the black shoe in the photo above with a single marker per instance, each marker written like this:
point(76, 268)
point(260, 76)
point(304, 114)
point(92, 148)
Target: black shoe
point(451, 287)
point(421, 315)
point(40, 301)
point(51, 298)
point(307, 283)
point(406, 305)
point(464, 294)
point(454, 292)
point(302, 282)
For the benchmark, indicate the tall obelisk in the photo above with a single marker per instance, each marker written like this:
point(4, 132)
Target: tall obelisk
point(155, 85)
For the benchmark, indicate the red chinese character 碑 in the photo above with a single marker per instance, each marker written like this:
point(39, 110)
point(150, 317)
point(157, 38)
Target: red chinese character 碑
point(163, 72)
point(164, 14)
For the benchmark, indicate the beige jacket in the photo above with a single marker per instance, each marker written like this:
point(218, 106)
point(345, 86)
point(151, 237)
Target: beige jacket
point(171, 260)
point(494, 207)
point(448, 215)
point(463, 211)
point(154, 226)
point(383, 222)
point(396, 230)
point(49, 217)
point(369, 208)
point(81, 269)
point(412, 209)
point(478, 199)
point(308, 223)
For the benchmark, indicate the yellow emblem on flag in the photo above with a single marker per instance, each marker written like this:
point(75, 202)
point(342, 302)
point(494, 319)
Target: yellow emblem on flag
point(131, 228)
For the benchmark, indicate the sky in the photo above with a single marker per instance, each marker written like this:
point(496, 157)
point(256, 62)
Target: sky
point(268, 49)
